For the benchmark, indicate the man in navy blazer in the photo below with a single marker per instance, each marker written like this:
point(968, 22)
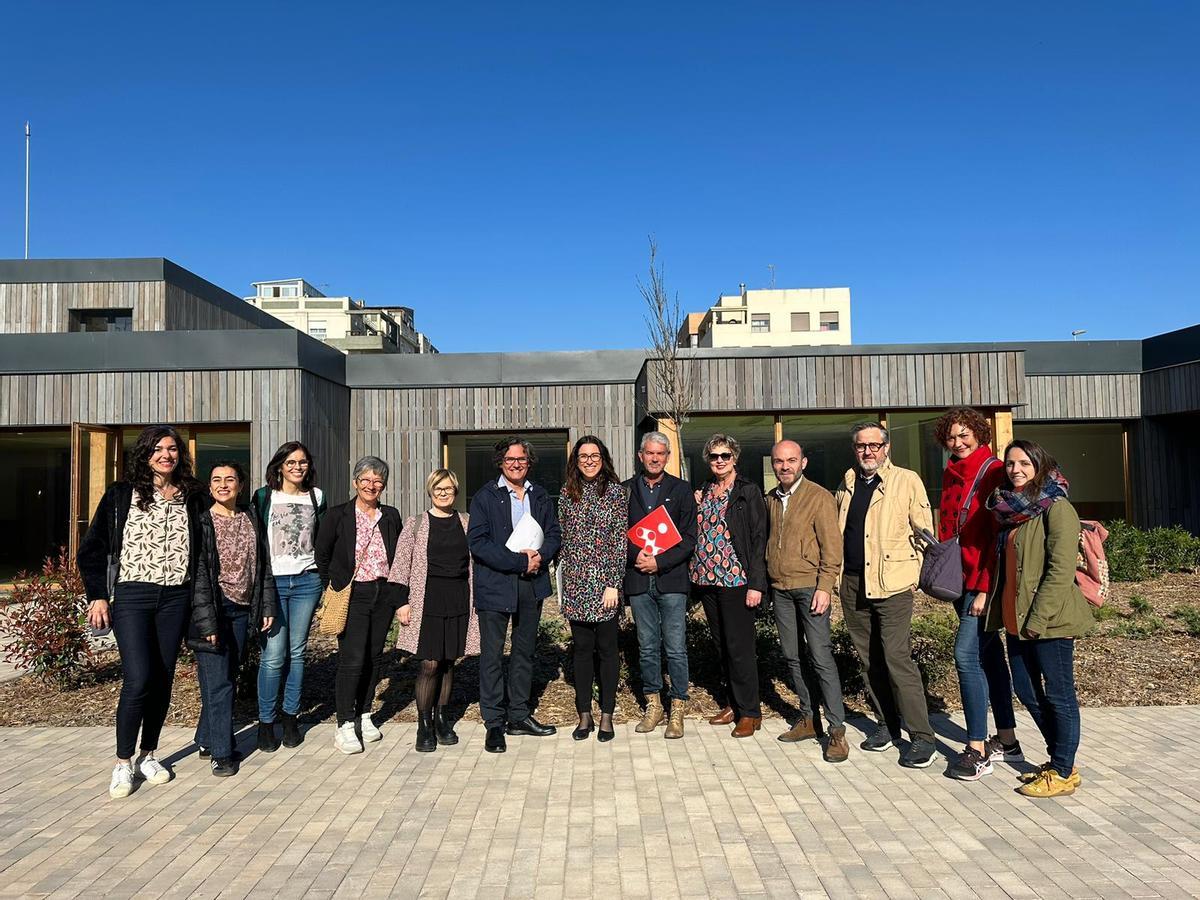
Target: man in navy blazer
point(657, 586)
point(510, 585)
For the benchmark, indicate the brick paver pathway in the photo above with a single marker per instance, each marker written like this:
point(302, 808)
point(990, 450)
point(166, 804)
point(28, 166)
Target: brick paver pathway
point(640, 817)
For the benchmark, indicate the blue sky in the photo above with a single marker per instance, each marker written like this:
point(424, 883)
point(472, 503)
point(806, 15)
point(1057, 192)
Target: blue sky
point(970, 171)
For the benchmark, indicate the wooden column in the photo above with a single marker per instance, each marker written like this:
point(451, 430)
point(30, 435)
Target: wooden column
point(1002, 430)
point(675, 463)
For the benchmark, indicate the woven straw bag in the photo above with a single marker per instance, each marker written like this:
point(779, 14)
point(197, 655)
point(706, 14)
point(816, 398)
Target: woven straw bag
point(335, 602)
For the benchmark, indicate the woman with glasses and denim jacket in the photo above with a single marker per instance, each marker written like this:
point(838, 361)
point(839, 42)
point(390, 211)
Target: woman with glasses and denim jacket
point(289, 509)
point(729, 574)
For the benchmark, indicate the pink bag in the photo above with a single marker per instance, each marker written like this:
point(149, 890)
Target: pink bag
point(1091, 566)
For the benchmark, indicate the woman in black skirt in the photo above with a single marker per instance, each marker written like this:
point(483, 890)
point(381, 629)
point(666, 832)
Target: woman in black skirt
point(438, 626)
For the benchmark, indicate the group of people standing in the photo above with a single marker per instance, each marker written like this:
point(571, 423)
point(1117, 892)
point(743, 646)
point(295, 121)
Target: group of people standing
point(167, 558)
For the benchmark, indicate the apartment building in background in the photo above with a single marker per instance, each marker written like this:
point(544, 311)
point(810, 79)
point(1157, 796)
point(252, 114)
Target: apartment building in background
point(784, 317)
point(341, 322)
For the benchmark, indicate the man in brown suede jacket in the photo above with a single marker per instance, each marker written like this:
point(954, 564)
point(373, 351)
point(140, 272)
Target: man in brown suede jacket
point(804, 554)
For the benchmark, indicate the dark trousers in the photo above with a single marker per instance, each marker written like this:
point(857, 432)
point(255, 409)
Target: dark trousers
point(732, 626)
point(149, 621)
point(360, 649)
point(218, 676)
point(592, 640)
point(493, 626)
point(982, 673)
point(1043, 675)
point(882, 634)
point(801, 630)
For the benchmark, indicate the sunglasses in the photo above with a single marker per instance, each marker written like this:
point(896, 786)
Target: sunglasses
point(724, 457)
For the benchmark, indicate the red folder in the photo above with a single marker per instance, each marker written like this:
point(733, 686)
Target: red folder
point(655, 532)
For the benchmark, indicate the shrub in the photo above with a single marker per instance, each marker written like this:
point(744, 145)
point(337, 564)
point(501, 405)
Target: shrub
point(1105, 613)
point(1140, 606)
point(1137, 555)
point(1126, 552)
point(1139, 629)
point(1189, 615)
point(46, 624)
point(933, 637)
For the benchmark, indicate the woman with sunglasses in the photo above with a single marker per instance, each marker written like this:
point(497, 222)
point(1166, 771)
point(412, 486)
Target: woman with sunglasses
point(289, 509)
point(438, 626)
point(729, 575)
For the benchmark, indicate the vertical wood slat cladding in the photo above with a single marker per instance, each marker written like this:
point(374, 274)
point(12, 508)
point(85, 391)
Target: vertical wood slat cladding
point(279, 405)
point(1163, 459)
point(43, 308)
point(1172, 390)
point(184, 311)
point(992, 378)
point(1100, 396)
point(413, 448)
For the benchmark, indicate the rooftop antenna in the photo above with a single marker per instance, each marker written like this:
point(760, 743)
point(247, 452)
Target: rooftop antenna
point(1077, 332)
point(27, 190)
point(771, 266)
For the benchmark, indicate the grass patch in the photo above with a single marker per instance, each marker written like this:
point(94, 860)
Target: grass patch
point(1140, 628)
point(1189, 616)
point(1140, 606)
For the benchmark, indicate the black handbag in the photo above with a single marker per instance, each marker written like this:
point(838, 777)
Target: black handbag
point(942, 567)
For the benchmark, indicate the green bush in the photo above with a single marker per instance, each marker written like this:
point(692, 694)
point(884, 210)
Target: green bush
point(1138, 555)
point(1139, 628)
point(1105, 613)
point(1189, 615)
point(933, 637)
point(1139, 605)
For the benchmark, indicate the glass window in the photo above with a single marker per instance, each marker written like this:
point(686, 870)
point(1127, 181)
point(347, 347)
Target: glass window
point(101, 319)
point(1091, 456)
point(760, 322)
point(756, 434)
point(289, 290)
point(317, 328)
point(470, 456)
point(35, 502)
point(914, 447)
point(212, 443)
point(829, 321)
point(800, 322)
point(825, 438)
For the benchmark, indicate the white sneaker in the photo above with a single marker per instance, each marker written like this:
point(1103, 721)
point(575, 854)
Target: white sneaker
point(370, 733)
point(346, 740)
point(122, 781)
point(151, 771)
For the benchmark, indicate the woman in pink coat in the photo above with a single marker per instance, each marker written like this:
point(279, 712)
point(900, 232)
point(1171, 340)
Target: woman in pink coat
point(438, 626)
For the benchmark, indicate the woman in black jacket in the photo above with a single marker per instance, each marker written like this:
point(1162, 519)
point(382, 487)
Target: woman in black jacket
point(355, 547)
point(234, 587)
point(729, 574)
point(138, 563)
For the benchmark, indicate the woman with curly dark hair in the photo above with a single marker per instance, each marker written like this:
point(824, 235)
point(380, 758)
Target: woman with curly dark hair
point(972, 473)
point(138, 563)
point(593, 512)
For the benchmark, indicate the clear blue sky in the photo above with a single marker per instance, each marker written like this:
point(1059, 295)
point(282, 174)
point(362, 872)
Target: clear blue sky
point(970, 171)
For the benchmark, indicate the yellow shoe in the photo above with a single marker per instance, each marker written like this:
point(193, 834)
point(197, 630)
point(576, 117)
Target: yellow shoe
point(1027, 777)
point(1048, 784)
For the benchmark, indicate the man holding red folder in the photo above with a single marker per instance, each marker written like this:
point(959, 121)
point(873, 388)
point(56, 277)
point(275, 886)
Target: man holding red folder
point(662, 536)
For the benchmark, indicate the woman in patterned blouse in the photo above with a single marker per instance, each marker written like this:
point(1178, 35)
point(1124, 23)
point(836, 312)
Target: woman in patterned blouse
point(137, 561)
point(594, 513)
point(355, 547)
point(729, 575)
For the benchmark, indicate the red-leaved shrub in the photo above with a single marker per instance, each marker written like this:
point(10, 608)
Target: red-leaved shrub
point(45, 623)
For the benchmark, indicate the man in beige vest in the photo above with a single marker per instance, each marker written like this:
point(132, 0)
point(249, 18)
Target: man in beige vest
point(804, 554)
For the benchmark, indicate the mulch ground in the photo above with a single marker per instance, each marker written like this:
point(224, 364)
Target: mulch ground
point(1141, 654)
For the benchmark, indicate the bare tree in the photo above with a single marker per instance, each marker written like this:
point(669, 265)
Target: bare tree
point(673, 377)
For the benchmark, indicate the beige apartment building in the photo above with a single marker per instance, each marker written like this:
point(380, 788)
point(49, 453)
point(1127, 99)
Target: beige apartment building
point(785, 317)
point(341, 322)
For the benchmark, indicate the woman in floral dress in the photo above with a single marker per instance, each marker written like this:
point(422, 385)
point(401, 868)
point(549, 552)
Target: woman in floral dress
point(594, 513)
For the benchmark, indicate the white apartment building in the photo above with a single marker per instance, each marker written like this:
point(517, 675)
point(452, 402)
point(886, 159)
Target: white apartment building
point(787, 317)
point(342, 322)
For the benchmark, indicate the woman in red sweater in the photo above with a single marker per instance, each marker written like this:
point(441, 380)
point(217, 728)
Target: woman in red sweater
point(978, 655)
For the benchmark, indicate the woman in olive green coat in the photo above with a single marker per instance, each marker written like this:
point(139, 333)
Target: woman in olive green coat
point(1036, 602)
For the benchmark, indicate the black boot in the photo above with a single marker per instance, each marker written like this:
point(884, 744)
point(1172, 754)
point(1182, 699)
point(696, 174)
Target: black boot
point(426, 736)
point(267, 742)
point(441, 724)
point(291, 731)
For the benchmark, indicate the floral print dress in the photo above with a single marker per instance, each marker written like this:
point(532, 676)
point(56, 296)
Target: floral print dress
point(593, 551)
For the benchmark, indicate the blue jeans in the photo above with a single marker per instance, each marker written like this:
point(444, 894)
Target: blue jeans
point(218, 675)
point(982, 673)
point(661, 621)
point(1043, 674)
point(284, 646)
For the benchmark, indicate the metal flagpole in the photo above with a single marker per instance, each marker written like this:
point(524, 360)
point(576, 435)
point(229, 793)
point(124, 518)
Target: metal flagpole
point(27, 190)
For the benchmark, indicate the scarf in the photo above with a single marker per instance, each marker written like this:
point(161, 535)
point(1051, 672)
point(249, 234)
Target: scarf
point(1012, 508)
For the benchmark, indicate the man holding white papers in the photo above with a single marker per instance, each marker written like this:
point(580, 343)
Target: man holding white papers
point(656, 579)
point(513, 536)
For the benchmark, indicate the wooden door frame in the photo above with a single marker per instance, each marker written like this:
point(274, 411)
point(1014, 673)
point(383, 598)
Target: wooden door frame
point(79, 517)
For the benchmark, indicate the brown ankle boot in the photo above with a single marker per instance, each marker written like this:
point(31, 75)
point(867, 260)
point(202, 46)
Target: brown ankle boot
point(837, 750)
point(724, 717)
point(802, 731)
point(675, 725)
point(652, 717)
point(746, 726)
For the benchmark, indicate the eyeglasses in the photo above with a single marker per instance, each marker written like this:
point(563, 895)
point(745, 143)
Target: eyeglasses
point(363, 482)
point(589, 457)
point(724, 457)
point(445, 490)
point(874, 448)
point(516, 460)
point(294, 464)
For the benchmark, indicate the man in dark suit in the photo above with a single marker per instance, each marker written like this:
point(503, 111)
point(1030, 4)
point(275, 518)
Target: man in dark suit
point(657, 586)
point(510, 586)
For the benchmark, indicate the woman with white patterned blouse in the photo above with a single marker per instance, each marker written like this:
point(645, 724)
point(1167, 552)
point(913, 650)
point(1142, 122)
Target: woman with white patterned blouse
point(138, 562)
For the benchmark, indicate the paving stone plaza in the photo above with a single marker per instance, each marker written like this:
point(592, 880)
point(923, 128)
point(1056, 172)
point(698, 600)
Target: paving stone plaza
point(707, 816)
